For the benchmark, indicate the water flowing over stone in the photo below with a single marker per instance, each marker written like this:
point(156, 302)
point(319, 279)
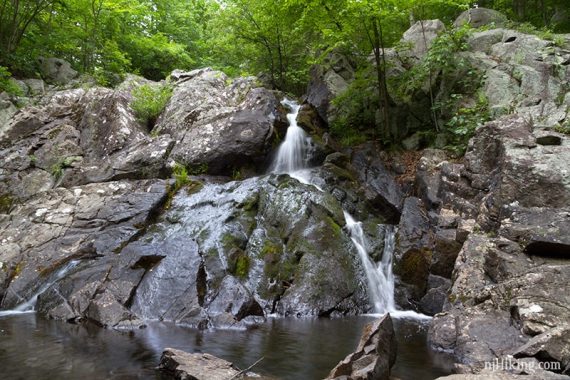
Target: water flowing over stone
point(379, 275)
point(293, 152)
point(29, 305)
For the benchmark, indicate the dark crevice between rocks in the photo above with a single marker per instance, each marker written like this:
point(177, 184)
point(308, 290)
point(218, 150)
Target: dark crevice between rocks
point(249, 308)
point(147, 263)
point(327, 313)
point(84, 252)
point(511, 39)
point(201, 284)
point(154, 213)
point(549, 140)
point(548, 249)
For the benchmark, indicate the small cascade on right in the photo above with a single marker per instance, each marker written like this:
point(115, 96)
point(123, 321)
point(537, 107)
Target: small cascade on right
point(379, 276)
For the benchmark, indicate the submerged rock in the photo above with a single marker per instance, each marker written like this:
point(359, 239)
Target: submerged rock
point(374, 356)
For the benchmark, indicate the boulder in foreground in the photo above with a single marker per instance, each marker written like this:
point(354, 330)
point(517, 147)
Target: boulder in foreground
point(200, 366)
point(374, 356)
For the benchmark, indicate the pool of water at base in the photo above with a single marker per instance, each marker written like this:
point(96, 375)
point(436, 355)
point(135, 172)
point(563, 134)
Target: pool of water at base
point(32, 347)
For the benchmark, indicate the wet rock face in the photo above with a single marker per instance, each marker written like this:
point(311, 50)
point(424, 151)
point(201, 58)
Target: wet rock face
point(222, 255)
point(374, 356)
point(414, 247)
point(87, 224)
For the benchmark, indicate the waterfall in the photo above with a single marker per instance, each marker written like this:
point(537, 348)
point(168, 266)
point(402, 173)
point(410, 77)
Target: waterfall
point(29, 305)
point(293, 151)
point(292, 158)
point(379, 275)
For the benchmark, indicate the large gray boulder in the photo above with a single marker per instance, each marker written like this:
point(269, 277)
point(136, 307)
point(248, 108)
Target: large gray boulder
point(420, 36)
point(378, 184)
point(7, 110)
point(219, 127)
point(374, 356)
point(327, 81)
point(414, 247)
point(76, 137)
point(56, 71)
point(478, 17)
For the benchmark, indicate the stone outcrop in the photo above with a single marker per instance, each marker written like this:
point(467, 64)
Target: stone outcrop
point(180, 365)
point(478, 17)
point(374, 356)
point(219, 127)
point(56, 71)
point(510, 198)
point(326, 82)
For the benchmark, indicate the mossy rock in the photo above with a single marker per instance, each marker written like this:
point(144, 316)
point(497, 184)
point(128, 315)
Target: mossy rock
point(238, 263)
point(6, 203)
point(413, 269)
point(340, 173)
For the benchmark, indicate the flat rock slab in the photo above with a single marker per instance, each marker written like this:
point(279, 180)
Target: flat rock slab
point(199, 366)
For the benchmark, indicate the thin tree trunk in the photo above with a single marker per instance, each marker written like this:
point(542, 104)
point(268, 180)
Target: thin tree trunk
point(379, 57)
point(430, 78)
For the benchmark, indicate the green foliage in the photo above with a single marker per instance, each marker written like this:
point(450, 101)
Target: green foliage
point(148, 102)
point(180, 175)
point(355, 110)
point(563, 128)
point(58, 168)
point(242, 266)
point(441, 57)
point(546, 13)
point(7, 83)
point(199, 169)
point(462, 125)
point(6, 202)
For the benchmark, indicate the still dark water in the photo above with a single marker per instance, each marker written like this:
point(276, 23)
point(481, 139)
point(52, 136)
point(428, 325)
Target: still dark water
point(32, 347)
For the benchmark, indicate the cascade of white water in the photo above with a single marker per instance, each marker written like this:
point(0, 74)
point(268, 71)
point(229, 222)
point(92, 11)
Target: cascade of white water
point(379, 275)
point(29, 305)
point(293, 151)
point(291, 159)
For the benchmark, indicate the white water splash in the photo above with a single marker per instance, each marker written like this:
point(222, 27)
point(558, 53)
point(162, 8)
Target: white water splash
point(29, 305)
point(379, 275)
point(293, 152)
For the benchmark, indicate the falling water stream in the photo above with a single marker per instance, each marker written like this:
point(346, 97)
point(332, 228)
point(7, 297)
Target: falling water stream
point(33, 347)
point(292, 158)
point(29, 305)
point(379, 275)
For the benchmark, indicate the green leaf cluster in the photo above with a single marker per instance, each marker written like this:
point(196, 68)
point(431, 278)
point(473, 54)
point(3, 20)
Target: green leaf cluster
point(149, 101)
point(7, 83)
